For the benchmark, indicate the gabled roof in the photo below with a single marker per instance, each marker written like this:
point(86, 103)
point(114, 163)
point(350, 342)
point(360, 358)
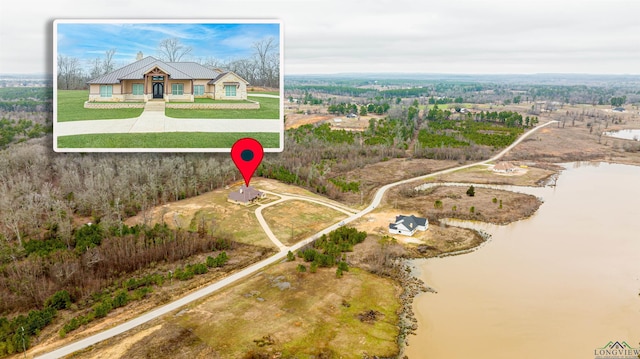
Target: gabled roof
point(504, 166)
point(220, 76)
point(409, 222)
point(245, 194)
point(175, 70)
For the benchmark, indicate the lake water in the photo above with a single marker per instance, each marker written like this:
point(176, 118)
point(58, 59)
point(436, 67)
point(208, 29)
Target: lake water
point(557, 285)
point(625, 134)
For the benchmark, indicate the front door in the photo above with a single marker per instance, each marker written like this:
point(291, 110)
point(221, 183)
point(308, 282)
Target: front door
point(158, 90)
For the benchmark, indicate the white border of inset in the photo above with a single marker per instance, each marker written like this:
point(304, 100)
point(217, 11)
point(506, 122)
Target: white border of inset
point(163, 21)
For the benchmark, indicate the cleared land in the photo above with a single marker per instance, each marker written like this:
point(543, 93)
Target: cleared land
point(294, 220)
point(278, 313)
point(214, 211)
point(373, 176)
point(71, 108)
point(529, 176)
point(430, 243)
point(579, 138)
point(455, 203)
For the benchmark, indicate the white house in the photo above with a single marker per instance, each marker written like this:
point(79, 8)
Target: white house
point(408, 225)
point(504, 167)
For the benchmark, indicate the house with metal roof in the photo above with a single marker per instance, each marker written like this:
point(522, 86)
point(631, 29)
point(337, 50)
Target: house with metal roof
point(152, 79)
point(408, 225)
point(245, 195)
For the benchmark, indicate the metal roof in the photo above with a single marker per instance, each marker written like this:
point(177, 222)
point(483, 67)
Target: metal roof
point(175, 70)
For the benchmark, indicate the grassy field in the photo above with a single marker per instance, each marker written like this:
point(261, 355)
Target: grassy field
point(165, 140)
point(269, 109)
point(277, 93)
point(214, 211)
point(292, 221)
point(71, 108)
point(314, 315)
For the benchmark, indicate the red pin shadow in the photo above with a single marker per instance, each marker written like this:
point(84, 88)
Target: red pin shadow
point(247, 154)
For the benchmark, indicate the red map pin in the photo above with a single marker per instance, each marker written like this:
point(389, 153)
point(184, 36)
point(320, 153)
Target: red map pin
point(247, 154)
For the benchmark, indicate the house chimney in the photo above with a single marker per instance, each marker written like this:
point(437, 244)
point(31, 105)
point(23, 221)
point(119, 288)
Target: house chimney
point(139, 56)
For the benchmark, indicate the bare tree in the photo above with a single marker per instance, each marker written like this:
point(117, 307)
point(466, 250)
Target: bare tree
point(268, 59)
point(68, 72)
point(173, 50)
point(107, 64)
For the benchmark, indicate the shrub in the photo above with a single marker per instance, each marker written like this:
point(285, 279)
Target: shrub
point(471, 191)
point(301, 268)
point(59, 300)
point(121, 299)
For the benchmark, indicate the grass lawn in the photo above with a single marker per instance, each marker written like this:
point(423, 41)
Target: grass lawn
point(292, 221)
point(269, 109)
point(277, 93)
point(165, 140)
point(71, 108)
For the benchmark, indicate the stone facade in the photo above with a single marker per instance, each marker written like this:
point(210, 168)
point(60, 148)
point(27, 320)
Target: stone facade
point(104, 106)
point(252, 105)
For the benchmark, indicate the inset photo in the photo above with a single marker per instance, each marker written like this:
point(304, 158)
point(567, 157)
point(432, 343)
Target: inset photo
point(167, 85)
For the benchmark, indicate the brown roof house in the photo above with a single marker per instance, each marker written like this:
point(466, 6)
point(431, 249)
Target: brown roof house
point(152, 79)
point(245, 195)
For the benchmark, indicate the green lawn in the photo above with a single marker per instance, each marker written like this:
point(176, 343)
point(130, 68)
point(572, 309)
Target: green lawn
point(269, 109)
point(277, 93)
point(71, 108)
point(165, 140)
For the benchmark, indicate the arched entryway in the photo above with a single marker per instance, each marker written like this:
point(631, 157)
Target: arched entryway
point(158, 90)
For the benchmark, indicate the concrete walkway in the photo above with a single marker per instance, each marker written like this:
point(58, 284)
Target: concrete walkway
point(153, 119)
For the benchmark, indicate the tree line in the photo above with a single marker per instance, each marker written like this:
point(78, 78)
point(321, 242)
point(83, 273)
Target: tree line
point(262, 68)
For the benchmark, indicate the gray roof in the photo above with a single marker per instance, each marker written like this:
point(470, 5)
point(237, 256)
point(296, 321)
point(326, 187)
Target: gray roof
point(176, 70)
point(410, 222)
point(245, 194)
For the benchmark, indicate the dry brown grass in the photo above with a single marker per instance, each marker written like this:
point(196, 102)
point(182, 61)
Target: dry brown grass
point(294, 220)
point(372, 177)
point(530, 176)
point(515, 206)
point(318, 313)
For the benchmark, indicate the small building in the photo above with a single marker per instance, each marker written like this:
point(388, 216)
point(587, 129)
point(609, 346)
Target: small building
point(245, 195)
point(504, 167)
point(408, 225)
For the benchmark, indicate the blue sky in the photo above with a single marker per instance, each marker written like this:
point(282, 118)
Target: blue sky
point(87, 41)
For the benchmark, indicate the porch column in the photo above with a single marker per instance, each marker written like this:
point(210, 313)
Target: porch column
point(144, 92)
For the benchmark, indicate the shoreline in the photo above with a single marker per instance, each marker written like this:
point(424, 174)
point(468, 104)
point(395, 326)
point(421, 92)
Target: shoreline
point(415, 263)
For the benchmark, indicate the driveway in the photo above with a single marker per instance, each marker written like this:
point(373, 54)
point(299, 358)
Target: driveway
point(153, 119)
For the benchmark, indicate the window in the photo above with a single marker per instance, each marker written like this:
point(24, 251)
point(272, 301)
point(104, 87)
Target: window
point(229, 90)
point(137, 89)
point(106, 90)
point(158, 78)
point(177, 89)
point(198, 90)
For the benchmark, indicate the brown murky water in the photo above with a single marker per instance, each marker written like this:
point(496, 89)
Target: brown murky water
point(557, 285)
